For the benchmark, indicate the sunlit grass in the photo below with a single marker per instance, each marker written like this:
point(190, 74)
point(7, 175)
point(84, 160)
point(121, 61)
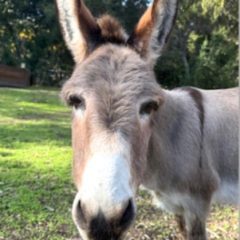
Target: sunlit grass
point(35, 165)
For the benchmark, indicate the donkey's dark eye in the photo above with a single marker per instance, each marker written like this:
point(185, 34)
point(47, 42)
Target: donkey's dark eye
point(76, 101)
point(149, 107)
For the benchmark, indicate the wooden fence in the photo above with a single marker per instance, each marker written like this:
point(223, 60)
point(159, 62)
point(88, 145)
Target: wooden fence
point(14, 77)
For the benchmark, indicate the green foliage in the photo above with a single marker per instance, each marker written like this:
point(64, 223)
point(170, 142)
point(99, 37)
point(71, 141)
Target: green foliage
point(215, 64)
point(202, 50)
point(214, 6)
point(30, 35)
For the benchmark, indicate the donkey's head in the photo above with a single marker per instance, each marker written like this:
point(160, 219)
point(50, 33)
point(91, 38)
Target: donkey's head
point(114, 96)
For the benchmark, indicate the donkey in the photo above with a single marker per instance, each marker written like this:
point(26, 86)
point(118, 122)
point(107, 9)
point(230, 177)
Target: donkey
point(127, 131)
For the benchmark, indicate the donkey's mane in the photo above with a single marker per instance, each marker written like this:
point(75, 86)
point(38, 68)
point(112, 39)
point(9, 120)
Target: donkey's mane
point(111, 30)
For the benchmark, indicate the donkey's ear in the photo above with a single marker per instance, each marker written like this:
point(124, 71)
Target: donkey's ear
point(153, 29)
point(79, 27)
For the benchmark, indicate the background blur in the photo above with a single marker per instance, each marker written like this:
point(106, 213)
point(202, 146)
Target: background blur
point(202, 50)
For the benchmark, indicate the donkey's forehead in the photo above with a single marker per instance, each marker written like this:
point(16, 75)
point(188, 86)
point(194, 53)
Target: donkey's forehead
point(113, 64)
point(113, 69)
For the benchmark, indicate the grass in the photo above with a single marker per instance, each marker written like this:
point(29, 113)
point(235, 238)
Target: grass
point(36, 190)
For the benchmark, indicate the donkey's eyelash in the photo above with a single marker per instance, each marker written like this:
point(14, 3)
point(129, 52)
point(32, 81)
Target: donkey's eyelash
point(76, 101)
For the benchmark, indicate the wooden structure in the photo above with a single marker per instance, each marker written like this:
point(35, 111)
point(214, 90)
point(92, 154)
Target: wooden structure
point(14, 77)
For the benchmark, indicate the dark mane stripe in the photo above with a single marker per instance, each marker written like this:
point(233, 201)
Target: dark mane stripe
point(198, 99)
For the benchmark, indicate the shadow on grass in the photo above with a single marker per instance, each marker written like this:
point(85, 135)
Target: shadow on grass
point(31, 105)
point(12, 135)
point(5, 153)
point(34, 113)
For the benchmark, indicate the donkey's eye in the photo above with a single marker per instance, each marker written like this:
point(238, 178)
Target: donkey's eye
point(148, 107)
point(76, 101)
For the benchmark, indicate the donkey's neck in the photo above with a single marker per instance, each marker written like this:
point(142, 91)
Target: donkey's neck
point(176, 137)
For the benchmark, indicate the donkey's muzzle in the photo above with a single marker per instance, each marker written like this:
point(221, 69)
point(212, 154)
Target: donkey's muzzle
point(100, 227)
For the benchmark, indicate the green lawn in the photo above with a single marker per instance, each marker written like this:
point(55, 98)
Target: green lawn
point(36, 190)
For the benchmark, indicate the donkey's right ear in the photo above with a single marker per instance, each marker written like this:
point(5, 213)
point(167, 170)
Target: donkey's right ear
point(80, 29)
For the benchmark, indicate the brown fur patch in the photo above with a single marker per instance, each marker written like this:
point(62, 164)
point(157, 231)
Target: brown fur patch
point(142, 32)
point(111, 29)
point(80, 143)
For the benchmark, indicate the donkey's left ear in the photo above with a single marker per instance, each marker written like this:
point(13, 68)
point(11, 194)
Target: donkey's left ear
point(152, 31)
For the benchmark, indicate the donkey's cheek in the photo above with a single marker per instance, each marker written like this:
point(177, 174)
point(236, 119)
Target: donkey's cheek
point(80, 144)
point(78, 169)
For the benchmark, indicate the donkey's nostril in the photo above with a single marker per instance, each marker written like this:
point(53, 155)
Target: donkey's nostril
point(81, 217)
point(128, 215)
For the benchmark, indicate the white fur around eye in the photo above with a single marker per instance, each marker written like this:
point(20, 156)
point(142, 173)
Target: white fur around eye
point(78, 112)
point(145, 118)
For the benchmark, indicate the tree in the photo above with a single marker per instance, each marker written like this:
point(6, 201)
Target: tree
point(203, 47)
point(202, 50)
point(29, 39)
